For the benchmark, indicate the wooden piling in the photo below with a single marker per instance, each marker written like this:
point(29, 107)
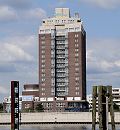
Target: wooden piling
point(100, 107)
point(94, 96)
point(111, 107)
point(104, 114)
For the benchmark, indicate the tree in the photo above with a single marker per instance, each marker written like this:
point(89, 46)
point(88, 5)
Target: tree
point(116, 107)
point(39, 108)
point(28, 110)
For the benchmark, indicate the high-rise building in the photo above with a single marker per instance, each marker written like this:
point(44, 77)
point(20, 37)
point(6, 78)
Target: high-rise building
point(62, 61)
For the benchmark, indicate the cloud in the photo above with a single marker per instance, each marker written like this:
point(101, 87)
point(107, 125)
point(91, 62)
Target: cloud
point(7, 14)
point(11, 52)
point(18, 49)
point(18, 61)
point(107, 49)
point(3, 90)
point(6, 67)
point(36, 13)
point(17, 53)
point(103, 62)
point(107, 4)
point(17, 3)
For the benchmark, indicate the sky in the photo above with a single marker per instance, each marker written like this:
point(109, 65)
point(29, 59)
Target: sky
point(19, 24)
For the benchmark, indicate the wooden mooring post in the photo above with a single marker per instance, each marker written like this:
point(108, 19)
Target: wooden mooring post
point(94, 96)
point(102, 94)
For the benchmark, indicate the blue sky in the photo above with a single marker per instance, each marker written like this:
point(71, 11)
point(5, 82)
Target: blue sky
point(19, 23)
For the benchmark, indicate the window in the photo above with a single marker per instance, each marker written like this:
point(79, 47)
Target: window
point(27, 105)
point(43, 79)
point(43, 56)
point(76, 35)
point(43, 89)
point(77, 78)
point(76, 74)
point(76, 69)
point(43, 51)
point(76, 59)
point(77, 88)
point(77, 93)
point(76, 54)
point(43, 42)
point(76, 50)
point(53, 84)
point(43, 47)
point(76, 64)
point(43, 75)
point(115, 90)
point(43, 84)
point(43, 94)
point(47, 30)
point(76, 45)
point(42, 37)
point(43, 65)
point(43, 61)
point(52, 74)
point(77, 83)
point(42, 31)
point(71, 29)
point(77, 27)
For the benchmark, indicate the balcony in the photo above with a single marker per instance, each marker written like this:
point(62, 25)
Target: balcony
point(61, 47)
point(60, 52)
point(60, 75)
point(60, 38)
point(61, 61)
point(61, 80)
point(61, 70)
point(61, 93)
point(60, 56)
point(60, 66)
point(61, 90)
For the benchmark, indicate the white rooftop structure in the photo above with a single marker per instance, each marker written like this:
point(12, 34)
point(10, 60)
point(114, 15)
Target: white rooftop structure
point(61, 21)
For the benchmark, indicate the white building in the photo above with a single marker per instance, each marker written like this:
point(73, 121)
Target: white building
point(116, 98)
point(7, 104)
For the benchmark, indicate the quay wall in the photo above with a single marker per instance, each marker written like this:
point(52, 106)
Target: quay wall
point(54, 117)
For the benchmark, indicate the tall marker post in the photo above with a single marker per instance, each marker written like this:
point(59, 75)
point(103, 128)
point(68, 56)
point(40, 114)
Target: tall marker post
point(14, 105)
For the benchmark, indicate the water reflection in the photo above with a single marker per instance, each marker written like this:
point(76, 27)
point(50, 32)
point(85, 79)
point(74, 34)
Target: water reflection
point(50, 127)
point(56, 127)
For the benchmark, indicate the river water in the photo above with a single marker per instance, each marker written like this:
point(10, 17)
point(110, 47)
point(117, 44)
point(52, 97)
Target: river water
point(56, 127)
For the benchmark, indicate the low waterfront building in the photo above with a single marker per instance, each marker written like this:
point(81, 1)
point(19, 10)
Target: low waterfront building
point(30, 94)
point(30, 99)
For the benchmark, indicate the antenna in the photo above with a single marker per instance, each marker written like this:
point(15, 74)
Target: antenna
point(77, 15)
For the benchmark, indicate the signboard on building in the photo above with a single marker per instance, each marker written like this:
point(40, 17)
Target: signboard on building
point(27, 98)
